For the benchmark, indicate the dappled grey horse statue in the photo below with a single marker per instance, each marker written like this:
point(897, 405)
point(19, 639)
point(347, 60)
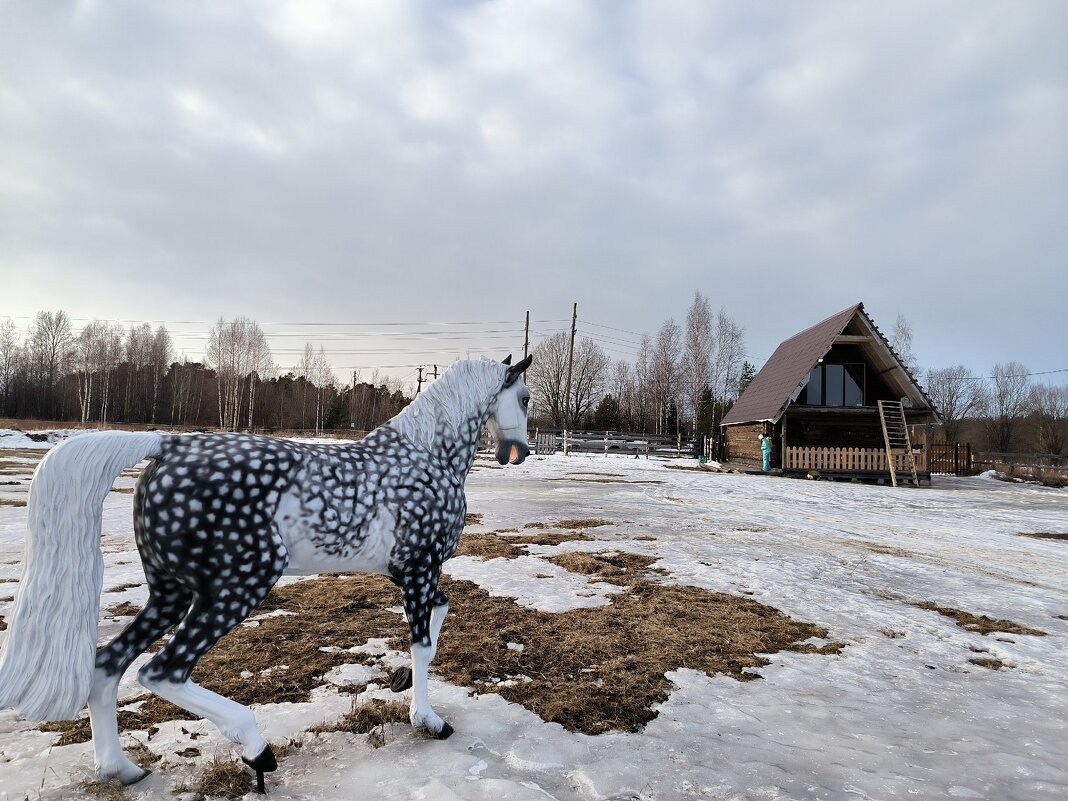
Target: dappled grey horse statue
point(218, 519)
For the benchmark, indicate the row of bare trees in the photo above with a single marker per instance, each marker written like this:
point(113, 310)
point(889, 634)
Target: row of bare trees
point(107, 373)
point(679, 381)
point(1009, 411)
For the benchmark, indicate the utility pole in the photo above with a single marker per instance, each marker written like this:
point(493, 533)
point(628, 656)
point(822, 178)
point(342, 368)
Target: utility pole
point(435, 372)
point(526, 336)
point(570, 360)
point(419, 386)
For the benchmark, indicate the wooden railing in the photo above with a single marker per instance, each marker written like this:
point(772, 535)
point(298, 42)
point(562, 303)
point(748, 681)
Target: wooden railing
point(859, 460)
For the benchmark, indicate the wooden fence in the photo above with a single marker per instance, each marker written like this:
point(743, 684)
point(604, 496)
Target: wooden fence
point(847, 460)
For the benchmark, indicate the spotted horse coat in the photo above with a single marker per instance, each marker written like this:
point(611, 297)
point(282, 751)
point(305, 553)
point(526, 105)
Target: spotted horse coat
point(219, 518)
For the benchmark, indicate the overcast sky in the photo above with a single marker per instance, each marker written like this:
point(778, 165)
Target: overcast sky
point(377, 163)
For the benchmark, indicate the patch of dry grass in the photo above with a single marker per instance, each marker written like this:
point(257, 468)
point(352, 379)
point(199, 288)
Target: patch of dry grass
point(473, 519)
point(988, 662)
point(125, 609)
point(223, 779)
point(123, 490)
point(364, 718)
point(124, 587)
point(111, 790)
point(591, 670)
point(613, 568)
point(602, 669)
point(980, 624)
point(495, 546)
point(1045, 535)
point(584, 522)
point(11, 502)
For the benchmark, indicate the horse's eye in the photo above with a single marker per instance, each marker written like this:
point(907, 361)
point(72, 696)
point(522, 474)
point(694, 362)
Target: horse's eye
point(525, 401)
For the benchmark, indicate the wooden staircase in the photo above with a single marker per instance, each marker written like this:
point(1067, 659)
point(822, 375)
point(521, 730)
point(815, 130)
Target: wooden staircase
point(896, 437)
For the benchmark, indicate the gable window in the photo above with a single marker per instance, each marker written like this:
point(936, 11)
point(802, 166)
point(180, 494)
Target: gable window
point(836, 385)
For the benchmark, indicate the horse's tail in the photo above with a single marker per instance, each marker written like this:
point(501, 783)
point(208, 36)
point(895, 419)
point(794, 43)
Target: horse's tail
point(46, 662)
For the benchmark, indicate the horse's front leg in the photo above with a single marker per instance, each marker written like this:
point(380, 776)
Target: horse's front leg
point(426, 610)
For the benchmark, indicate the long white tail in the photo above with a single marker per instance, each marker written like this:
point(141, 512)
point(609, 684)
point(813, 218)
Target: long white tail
point(46, 662)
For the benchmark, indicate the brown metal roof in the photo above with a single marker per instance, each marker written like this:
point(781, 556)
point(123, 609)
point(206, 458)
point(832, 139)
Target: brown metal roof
point(777, 383)
point(771, 390)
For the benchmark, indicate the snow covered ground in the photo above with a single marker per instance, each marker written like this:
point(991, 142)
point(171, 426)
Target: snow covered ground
point(902, 712)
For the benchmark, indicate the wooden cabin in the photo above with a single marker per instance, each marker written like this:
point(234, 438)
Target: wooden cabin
point(838, 403)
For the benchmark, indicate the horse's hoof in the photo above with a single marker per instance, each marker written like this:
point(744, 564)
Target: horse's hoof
point(402, 680)
point(144, 775)
point(264, 763)
point(445, 733)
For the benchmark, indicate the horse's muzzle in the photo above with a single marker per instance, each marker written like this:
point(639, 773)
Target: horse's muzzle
point(512, 452)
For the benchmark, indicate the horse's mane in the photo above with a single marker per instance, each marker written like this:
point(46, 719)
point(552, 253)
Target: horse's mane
point(463, 390)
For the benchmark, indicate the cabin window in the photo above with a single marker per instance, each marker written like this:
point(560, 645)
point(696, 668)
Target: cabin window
point(836, 385)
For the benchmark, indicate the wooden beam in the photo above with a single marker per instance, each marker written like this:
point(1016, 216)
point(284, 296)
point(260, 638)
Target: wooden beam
point(851, 339)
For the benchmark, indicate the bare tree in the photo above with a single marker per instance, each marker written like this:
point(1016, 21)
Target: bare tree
point(957, 394)
point(160, 356)
point(588, 378)
point(728, 355)
point(89, 357)
point(236, 351)
point(901, 342)
point(10, 359)
point(138, 350)
point(260, 365)
point(1051, 407)
point(305, 369)
point(622, 389)
point(323, 378)
point(665, 372)
point(111, 357)
point(1006, 404)
point(547, 379)
point(643, 396)
point(49, 343)
point(697, 356)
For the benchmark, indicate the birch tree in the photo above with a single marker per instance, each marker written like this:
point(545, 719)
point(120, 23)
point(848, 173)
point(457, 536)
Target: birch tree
point(901, 342)
point(664, 369)
point(729, 353)
point(697, 357)
point(236, 351)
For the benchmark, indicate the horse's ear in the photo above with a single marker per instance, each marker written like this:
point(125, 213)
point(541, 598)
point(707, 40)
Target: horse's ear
point(507, 359)
point(517, 370)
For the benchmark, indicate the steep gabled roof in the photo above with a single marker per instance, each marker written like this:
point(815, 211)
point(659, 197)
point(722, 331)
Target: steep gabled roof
point(786, 372)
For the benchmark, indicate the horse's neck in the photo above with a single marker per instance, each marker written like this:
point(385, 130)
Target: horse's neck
point(447, 430)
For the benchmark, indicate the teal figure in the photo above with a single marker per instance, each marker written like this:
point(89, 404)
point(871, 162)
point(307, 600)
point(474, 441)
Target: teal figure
point(765, 451)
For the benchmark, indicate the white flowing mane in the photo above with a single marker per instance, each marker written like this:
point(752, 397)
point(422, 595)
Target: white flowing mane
point(464, 390)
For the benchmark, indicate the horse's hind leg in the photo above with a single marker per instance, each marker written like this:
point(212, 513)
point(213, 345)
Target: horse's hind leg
point(210, 618)
point(166, 605)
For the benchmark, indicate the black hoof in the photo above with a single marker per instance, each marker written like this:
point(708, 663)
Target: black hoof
point(144, 775)
point(445, 733)
point(402, 680)
point(264, 763)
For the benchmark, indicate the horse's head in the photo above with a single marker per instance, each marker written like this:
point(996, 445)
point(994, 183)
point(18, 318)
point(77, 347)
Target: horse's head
point(508, 415)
